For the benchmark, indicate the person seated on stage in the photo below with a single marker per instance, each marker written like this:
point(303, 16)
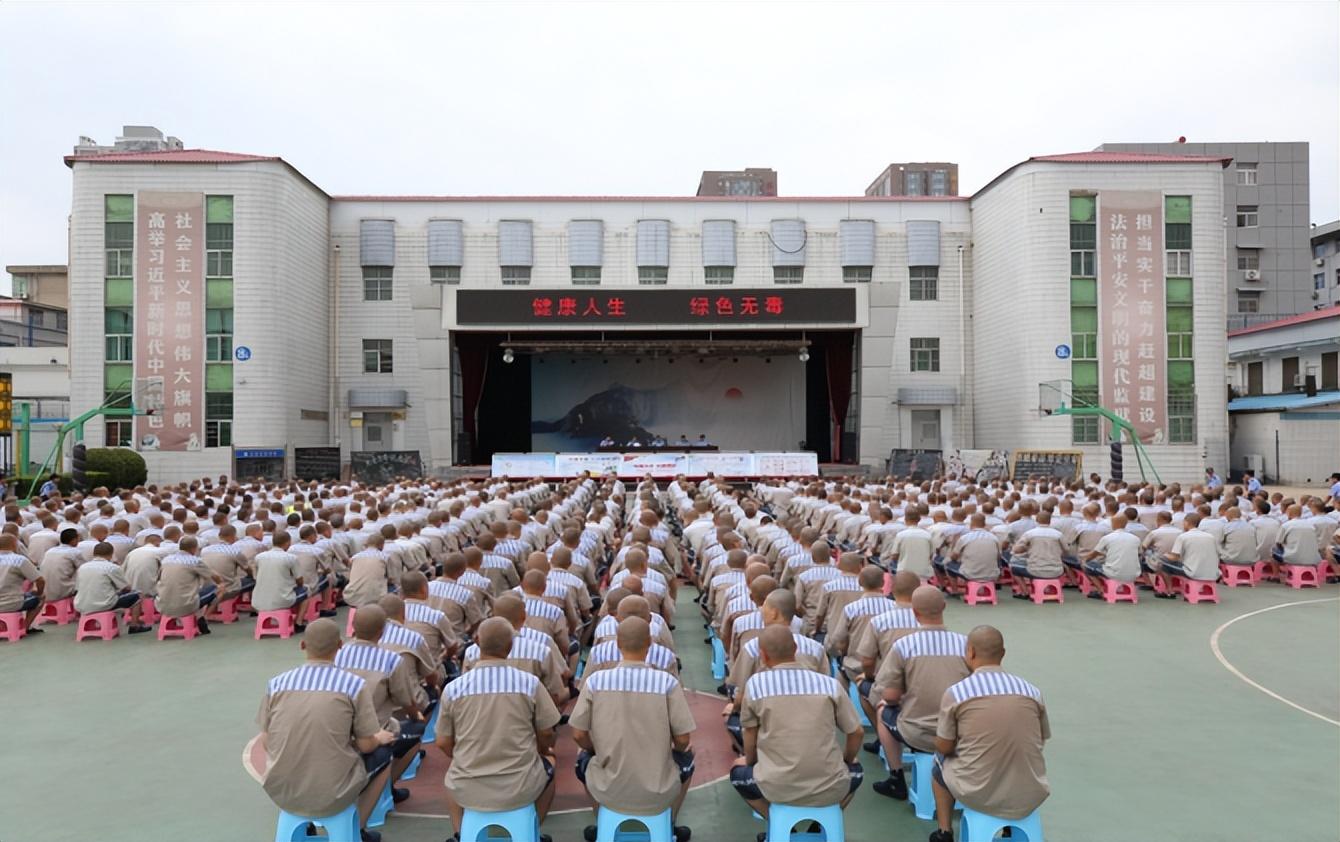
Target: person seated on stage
point(1194, 555)
point(658, 440)
point(632, 723)
point(702, 441)
point(16, 569)
point(324, 745)
point(791, 717)
point(990, 733)
point(496, 726)
point(1297, 543)
point(1039, 553)
point(975, 554)
point(1238, 546)
point(395, 693)
point(185, 585)
point(60, 564)
point(683, 441)
point(279, 581)
point(634, 443)
point(100, 586)
point(915, 675)
point(226, 560)
point(607, 441)
point(1116, 557)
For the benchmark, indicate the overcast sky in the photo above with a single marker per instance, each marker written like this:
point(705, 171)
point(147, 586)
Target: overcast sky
point(637, 98)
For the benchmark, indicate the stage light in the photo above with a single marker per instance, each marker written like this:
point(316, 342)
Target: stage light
point(804, 355)
point(508, 356)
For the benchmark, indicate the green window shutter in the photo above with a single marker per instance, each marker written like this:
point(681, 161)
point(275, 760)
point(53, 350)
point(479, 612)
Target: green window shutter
point(116, 377)
point(1083, 292)
point(219, 292)
point(218, 209)
point(1178, 236)
point(1082, 208)
point(1179, 320)
point(218, 377)
point(1083, 319)
point(1084, 375)
point(1181, 374)
point(119, 209)
point(118, 320)
point(218, 320)
point(1179, 291)
point(119, 292)
point(1177, 209)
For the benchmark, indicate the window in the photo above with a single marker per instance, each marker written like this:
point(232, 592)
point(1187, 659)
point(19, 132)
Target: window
point(119, 326)
point(376, 356)
point(924, 282)
point(516, 275)
point(219, 335)
point(857, 274)
point(1177, 264)
point(1319, 281)
point(19, 286)
point(1084, 333)
point(117, 432)
point(218, 419)
point(1249, 260)
point(444, 274)
point(1249, 302)
point(925, 354)
point(62, 320)
point(376, 283)
point(719, 274)
point(653, 275)
point(1179, 333)
point(218, 250)
point(788, 274)
point(1083, 242)
point(939, 183)
point(1246, 175)
point(914, 183)
point(1085, 429)
point(585, 275)
point(1248, 216)
point(119, 235)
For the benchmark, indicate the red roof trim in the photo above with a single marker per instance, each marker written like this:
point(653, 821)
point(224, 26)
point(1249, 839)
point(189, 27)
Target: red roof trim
point(1302, 318)
point(783, 199)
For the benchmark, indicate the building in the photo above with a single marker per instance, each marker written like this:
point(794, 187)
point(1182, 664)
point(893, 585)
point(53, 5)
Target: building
point(751, 181)
point(913, 179)
point(34, 314)
point(1326, 265)
point(1266, 215)
point(459, 327)
point(132, 139)
point(1285, 413)
point(41, 379)
point(34, 350)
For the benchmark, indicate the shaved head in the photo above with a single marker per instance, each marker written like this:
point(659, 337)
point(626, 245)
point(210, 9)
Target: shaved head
point(986, 646)
point(634, 606)
point(369, 622)
point(414, 585)
point(781, 603)
point(929, 603)
point(761, 587)
point(321, 640)
point(851, 562)
point(494, 638)
point(394, 607)
point(871, 578)
point(778, 645)
point(634, 637)
point(511, 608)
point(905, 583)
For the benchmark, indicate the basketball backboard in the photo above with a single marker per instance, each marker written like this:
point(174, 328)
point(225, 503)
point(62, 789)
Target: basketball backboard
point(1053, 395)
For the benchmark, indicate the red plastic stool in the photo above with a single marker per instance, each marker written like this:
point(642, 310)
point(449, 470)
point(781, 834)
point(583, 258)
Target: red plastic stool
point(975, 592)
point(59, 612)
point(1199, 590)
point(148, 611)
point(11, 626)
point(183, 627)
point(1301, 576)
point(274, 623)
point(104, 625)
point(1045, 590)
point(1115, 591)
point(225, 612)
point(1239, 574)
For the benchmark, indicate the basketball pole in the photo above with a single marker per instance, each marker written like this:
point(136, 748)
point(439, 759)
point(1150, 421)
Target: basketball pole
point(55, 460)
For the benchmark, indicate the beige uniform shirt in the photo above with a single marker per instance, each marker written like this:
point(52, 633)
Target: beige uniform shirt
point(459, 603)
point(632, 711)
point(433, 624)
point(59, 567)
point(809, 654)
point(1040, 550)
point(180, 578)
point(809, 587)
point(798, 714)
point(535, 654)
point(390, 677)
point(604, 656)
point(1000, 724)
point(837, 594)
point(923, 665)
point(142, 568)
point(493, 713)
point(99, 583)
point(227, 562)
point(367, 578)
point(276, 577)
point(310, 717)
point(15, 569)
point(978, 555)
point(852, 621)
point(913, 546)
point(881, 632)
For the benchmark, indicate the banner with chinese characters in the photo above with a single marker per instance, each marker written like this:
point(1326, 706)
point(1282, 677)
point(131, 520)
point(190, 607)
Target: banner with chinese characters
point(170, 319)
point(721, 307)
point(1132, 341)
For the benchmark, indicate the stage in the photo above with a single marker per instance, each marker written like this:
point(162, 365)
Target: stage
point(636, 464)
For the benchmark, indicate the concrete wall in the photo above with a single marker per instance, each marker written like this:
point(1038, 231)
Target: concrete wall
point(1308, 442)
point(41, 378)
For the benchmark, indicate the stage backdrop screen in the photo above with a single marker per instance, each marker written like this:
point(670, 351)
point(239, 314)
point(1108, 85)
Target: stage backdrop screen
point(745, 405)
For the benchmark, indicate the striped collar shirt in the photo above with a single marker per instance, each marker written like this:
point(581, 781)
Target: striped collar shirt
point(316, 677)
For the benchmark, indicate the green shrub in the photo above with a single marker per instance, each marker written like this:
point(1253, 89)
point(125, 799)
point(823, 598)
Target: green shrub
point(98, 478)
point(119, 468)
point(19, 485)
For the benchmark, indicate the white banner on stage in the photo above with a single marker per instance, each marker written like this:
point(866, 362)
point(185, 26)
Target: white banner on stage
point(572, 464)
point(523, 465)
point(659, 465)
point(722, 464)
point(786, 464)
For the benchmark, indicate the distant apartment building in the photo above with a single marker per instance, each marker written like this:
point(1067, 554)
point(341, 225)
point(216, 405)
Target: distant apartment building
point(751, 181)
point(132, 139)
point(1267, 221)
point(1326, 264)
point(916, 179)
point(35, 314)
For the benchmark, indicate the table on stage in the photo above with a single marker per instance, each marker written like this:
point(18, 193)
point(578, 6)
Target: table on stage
point(676, 448)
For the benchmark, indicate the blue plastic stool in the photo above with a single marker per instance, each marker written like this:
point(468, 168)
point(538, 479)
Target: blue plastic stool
point(855, 695)
point(341, 827)
point(834, 667)
point(522, 824)
point(412, 770)
point(979, 827)
point(783, 817)
point(430, 730)
point(718, 658)
point(385, 804)
point(658, 828)
point(919, 790)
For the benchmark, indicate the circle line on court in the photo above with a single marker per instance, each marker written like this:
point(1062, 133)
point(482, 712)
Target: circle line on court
point(1214, 647)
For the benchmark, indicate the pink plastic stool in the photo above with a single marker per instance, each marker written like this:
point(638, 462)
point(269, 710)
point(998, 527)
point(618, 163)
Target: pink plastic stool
point(1239, 574)
point(274, 623)
point(1301, 576)
point(243, 602)
point(148, 611)
point(1199, 590)
point(225, 612)
point(1329, 569)
point(1006, 579)
point(312, 610)
point(103, 625)
point(59, 612)
point(11, 626)
point(888, 583)
point(1045, 590)
point(183, 627)
point(1115, 591)
point(1268, 571)
point(975, 592)
point(349, 630)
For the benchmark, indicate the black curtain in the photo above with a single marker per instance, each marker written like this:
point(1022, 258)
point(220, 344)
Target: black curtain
point(818, 432)
point(504, 406)
point(837, 363)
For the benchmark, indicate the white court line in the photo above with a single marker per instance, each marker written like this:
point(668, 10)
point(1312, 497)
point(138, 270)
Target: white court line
point(1214, 647)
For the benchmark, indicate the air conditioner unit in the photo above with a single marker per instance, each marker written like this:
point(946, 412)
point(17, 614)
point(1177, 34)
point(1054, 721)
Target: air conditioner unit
point(1319, 261)
point(1299, 381)
point(1253, 462)
point(1251, 274)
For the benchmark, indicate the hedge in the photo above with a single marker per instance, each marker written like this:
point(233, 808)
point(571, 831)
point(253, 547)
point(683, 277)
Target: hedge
point(118, 468)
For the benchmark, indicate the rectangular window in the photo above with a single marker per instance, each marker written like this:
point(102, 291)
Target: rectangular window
point(939, 183)
point(719, 274)
point(914, 183)
point(1084, 332)
point(925, 354)
point(788, 274)
point(218, 419)
point(117, 432)
point(1246, 175)
point(1177, 264)
point(1249, 260)
point(1181, 402)
point(1177, 236)
point(923, 283)
point(218, 236)
point(857, 274)
point(1083, 242)
point(1084, 392)
point(1248, 216)
point(376, 356)
point(376, 283)
point(118, 239)
point(585, 275)
point(1319, 281)
point(653, 275)
point(450, 275)
point(1179, 333)
point(219, 335)
point(516, 275)
point(1249, 302)
point(119, 326)
point(1289, 374)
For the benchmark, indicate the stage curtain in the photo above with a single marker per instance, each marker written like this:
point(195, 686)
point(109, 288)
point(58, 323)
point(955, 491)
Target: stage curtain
point(837, 359)
point(474, 356)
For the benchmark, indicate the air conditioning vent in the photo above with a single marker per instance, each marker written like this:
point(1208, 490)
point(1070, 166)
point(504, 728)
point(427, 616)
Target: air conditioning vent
point(1251, 274)
point(1319, 261)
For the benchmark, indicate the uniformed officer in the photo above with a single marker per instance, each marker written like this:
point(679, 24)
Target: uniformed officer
point(496, 726)
point(633, 723)
point(990, 733)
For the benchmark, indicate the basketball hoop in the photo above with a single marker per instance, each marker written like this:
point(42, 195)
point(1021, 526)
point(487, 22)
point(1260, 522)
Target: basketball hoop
point(1054, 395)
point(147, 395)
